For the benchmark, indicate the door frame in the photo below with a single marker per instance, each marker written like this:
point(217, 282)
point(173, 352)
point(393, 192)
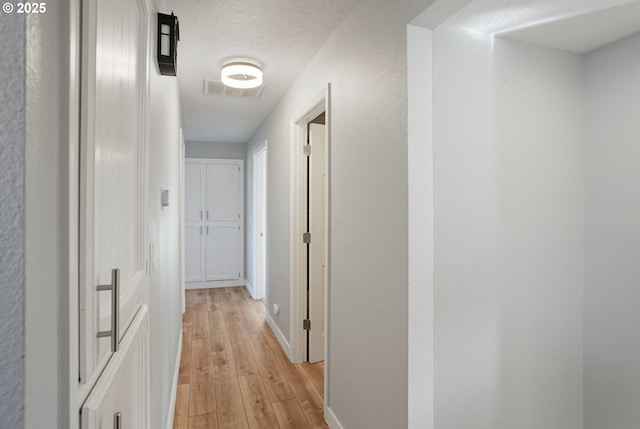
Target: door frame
point(259, 292)
point(315, 106)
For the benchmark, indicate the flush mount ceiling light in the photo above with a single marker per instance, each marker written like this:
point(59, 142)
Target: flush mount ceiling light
point(241, 75)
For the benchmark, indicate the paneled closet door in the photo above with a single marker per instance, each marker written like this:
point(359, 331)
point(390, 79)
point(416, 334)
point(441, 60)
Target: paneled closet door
point(224, 220)
point(113, 189)
point(194, 183)
point(120, 398)
point(224, 191)
point(223, 251)
point(194, 245)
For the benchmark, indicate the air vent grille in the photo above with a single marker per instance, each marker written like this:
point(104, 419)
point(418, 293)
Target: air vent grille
point(215, 87)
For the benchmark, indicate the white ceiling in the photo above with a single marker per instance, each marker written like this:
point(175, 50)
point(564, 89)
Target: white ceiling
point(571, 25)
point(583, 33)
point(281, 35)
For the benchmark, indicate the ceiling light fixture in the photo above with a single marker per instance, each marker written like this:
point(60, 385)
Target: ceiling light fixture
point(241, 75)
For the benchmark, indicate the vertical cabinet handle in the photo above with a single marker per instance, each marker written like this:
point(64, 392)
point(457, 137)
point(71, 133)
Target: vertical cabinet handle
point(117, 420)
point(114, 287)
point(200, 229)
point(207, 229)
point(200, 214)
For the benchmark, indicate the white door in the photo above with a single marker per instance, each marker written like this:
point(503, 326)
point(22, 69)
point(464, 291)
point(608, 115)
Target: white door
point(194, 245)
point(318, 247)
point(194, 183)
point(223, 216)
point(113, 188)
point(223, 251)
point(214, 202)
point(119, 400)
point(224, 194)
point(259, 222)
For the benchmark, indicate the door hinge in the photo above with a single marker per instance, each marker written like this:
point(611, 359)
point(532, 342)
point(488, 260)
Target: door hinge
point(306, 237)
point(306, 324)
point(307, 150)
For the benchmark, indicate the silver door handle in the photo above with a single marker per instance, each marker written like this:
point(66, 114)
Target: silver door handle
point(200, 214)
point(114, 287)
point(207, 214)
point(200, 229)
point(207, 229)
point(117, 420)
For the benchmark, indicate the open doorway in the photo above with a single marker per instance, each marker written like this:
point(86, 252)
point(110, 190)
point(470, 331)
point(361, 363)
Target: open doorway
point(310, 232)
point(260, 221)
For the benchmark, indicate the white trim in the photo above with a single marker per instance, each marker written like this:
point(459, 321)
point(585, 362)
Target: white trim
point(70, 27)
point(249, 287)
point(262, 147)
point(174, 385)
point(313, 108)
point(421, 229)
point(215, 284)
point(181, 168)
point(279, 335)
point(331, 419)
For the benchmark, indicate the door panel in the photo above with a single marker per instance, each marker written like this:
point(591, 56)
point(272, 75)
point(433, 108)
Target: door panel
point(223, 192)
point(194, 192)
point(223, 251)
point(113, 192)
point(121, 388)
point(194, 252)
point(318, 247)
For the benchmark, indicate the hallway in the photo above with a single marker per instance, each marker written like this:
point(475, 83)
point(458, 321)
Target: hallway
point(233, 372)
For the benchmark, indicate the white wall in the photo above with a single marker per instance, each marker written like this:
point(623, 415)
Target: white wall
point(163, 234)
point(508, 234)
point(215, 150)
point(612, 236)
point(365, 62)
point(12, 217)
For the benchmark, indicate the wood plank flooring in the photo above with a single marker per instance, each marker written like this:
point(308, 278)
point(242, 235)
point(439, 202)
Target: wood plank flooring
point(235, 375)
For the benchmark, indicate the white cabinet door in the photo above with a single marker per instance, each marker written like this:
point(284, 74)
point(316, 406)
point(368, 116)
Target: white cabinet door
point(223, 251)
point(217, 186)
point(121, 391)
point(194, 252)
point(112, 232)
point(224, 193)
point(194, 191)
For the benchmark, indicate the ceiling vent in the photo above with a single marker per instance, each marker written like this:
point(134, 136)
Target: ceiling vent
point(216, 87)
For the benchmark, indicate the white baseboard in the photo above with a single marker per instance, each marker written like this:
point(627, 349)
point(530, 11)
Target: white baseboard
point(174, 385)
point(332, 420)
point(249, 287)
point(279, 335)
point(216, 284)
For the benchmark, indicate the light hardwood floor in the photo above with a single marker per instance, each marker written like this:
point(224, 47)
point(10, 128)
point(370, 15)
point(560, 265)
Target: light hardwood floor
point(235, 375)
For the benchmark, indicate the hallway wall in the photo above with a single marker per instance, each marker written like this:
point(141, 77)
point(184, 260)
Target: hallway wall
point(195, 149)
point(12, 219)
point(612, 235)
point(165, 321)
point(508, 233)
point(365, 62)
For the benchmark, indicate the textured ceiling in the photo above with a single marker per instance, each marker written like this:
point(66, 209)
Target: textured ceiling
point(496, 16)
point(282, 35)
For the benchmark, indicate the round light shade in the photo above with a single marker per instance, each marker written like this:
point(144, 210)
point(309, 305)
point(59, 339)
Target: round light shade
point(241, 75)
